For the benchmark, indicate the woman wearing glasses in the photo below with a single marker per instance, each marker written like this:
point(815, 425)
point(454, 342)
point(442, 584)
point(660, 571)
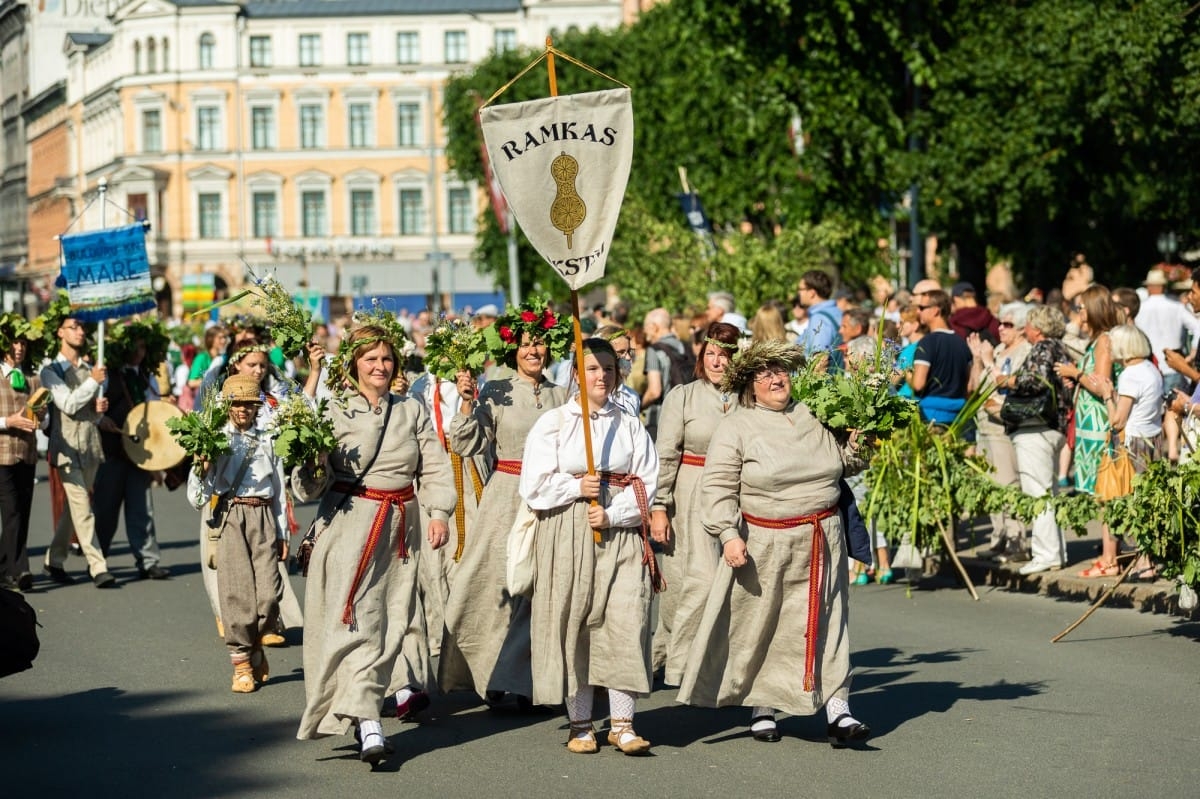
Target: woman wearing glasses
point(774, 631)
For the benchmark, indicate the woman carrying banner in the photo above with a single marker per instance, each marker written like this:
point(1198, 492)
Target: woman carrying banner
point(591, 597)
point(480, 611)
point(774, 631)
point(689, 416)
point(366, 634)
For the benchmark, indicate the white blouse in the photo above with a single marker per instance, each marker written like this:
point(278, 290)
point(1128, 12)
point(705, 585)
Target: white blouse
point(554, 454)
point(263, 478)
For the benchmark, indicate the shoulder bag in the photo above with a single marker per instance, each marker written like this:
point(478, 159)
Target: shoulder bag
point(1114, 478)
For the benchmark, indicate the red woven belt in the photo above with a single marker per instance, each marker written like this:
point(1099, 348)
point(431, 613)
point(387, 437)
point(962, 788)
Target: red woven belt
point(509, 467)
point(621, 480)
point(814, 579)
point(691, 459)
point(385, 500)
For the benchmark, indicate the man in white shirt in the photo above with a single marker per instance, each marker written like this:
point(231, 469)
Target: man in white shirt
point(1164, 321)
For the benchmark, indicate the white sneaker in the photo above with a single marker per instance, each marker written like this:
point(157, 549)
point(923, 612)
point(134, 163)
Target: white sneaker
point(1037, 566)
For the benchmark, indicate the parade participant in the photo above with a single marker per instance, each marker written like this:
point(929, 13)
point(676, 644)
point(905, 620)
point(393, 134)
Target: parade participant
point(480, 611)
point(366, 636)
point(18, 454)
point(248, 486)
point(75, 450)
point(216, 339)
point(689, 556)
point(119, 481)
point(591, 598)
point(774, 631)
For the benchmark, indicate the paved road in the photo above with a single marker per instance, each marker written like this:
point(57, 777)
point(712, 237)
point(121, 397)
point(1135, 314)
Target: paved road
point(130, 697)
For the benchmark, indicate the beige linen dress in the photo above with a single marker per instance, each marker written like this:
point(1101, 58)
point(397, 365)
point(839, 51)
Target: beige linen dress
point(591, 602)
point(479, 610)
point(750, 648)
point(349, 669)
point(689, 416)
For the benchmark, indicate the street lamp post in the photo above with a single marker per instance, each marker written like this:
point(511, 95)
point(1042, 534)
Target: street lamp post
point(1168, 245)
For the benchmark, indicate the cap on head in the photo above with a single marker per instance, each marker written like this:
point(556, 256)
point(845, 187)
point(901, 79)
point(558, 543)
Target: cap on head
point(961, 289)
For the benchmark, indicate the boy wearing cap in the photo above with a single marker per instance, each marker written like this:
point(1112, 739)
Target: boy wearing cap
point(249, 531)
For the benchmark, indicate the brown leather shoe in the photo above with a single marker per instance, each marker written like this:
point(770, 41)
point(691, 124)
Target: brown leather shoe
point(585, 745)
point(623, 729)
point(243, 678)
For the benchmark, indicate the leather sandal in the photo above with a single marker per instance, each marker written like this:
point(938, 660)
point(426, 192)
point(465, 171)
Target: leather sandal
point(582, 744)
point(622, 736)
point(1100, 569)
point(243, 678)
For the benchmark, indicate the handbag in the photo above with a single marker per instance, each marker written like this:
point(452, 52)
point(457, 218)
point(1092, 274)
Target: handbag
point(309, 541)
point(521, 563)
point(1114, 478)
point(1017, 410)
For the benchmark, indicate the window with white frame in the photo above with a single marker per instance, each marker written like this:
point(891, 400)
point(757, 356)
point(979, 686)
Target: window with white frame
point(358, 49)
point(461, 212)
point(360, 125)
point(208, 221)
point(505, 39)
point(262, 127)
point(151, 130)
point(207, 52)
point(412, 212)
point(260, 51)
point(408, 124)
point(265, 206)
point(313, 213)
point(310, 49)
point(208, 128)
point(408, 48)
point(312, 126)
point(456, 47)
point(362, 212)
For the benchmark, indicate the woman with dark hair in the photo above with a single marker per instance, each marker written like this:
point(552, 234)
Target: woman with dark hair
point(774, 631)
point(689, 556)
point(595, 571)
point(216, 338)
point(366, 634)
point(479, 610)
point(1097, 315)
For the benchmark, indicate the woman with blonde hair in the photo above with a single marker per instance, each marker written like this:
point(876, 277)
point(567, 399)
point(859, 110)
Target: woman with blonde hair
point(768, 324)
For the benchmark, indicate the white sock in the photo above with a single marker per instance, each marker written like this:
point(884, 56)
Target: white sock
point(762, 723)
point(579, 710)
point(403, 695)
point(621, 705)
point(839, 707)
point(371, 733)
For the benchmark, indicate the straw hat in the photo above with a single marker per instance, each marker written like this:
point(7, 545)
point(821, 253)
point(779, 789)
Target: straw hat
point(1155, 277)
point(759, 355)
point(146, 439)
point(241, 388)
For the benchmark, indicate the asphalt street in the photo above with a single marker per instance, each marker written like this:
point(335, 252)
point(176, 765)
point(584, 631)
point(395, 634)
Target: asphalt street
point(130, 697)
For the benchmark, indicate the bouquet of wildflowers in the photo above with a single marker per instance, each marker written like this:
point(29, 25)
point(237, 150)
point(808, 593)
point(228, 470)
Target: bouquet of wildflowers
point(302, 433)
point(201, 433)
point(291, 325)
point(455, 346)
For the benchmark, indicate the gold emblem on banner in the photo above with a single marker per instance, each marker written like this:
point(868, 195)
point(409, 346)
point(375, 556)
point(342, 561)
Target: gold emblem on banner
point(567, 212)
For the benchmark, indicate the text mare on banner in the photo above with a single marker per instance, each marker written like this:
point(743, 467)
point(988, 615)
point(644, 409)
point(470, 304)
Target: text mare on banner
point(106, 273)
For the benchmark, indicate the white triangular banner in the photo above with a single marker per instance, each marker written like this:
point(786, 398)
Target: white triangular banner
point(563, 163)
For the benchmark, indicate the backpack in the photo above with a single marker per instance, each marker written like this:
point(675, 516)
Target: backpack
point(18, 631)
point(683, 365)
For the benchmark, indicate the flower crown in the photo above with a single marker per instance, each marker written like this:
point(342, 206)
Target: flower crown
point(536, 317)
point(242, 352)
point(337, 371)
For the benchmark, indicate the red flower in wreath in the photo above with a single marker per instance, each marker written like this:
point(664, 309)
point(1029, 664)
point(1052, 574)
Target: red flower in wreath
point(548, 321)
point(507, 335)
point(528, 317)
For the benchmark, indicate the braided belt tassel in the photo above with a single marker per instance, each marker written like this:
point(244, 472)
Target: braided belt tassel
point(460, 508)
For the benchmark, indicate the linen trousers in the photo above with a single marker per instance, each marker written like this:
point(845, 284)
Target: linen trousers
point(1037, 451)
point(77, 482)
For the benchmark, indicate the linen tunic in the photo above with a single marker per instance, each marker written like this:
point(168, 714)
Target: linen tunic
point(689, 416)
point(479, 610)
point(751, 644)
point(348, 670)
point(591, 602)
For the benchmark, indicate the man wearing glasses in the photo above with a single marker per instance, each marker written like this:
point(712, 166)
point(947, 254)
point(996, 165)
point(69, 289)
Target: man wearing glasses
point(942, 363)
point(75, 449)
point(815, 292)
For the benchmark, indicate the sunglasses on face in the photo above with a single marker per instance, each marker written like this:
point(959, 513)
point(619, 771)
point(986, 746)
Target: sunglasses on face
point(1007, 324)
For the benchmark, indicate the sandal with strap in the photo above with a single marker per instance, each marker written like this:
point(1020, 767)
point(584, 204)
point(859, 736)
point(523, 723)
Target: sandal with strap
point(582, 744)
point(1101, 569)
point(622, 736)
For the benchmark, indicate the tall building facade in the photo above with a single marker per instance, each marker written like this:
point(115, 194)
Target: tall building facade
point(302, 138)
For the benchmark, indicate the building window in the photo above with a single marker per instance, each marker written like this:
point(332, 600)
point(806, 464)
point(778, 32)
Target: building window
point(152, 131)
point(210, 216)
point(313, 209)
point(262, 127)
point(456, 47)
point(360, 125)
point(138, 206)
point(505, 40)
point(208, 120)
point(260, 51)
point(408, 48)
point(312, 126)
point(208, 48)
point(461, 218)
point(358, 49)
point(266, 215)
point(412, 212)
point(310, 49)
point(137, 58)
point(151, 57)
point(408, 124)
point(362, 212)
